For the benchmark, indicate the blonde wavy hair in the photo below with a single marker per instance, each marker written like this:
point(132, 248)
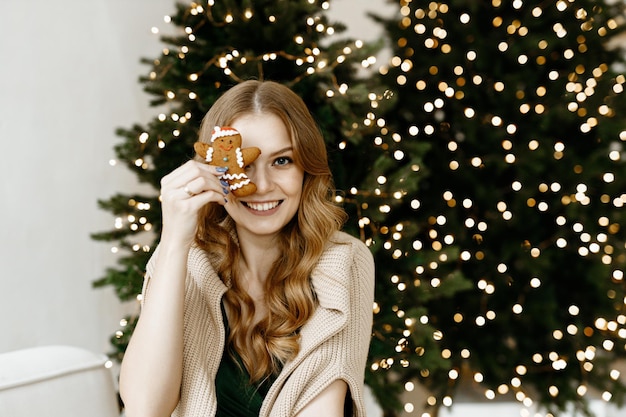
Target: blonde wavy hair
point(264, 347)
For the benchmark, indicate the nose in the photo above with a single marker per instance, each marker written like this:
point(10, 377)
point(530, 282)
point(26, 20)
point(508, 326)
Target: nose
point(261, 176)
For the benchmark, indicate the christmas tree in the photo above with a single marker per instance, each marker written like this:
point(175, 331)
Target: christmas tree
point(520, 191)
point(485, 179)
point(218, 44)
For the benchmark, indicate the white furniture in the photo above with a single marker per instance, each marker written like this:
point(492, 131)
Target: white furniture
point(56, 381)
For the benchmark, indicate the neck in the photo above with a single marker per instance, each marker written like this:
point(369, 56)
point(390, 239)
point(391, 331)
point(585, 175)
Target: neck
point(255, 263)
point(257, 257)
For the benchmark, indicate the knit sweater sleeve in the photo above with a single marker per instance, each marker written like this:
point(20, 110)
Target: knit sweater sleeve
point(148, 275)
point(203, 333)
point(335, 342)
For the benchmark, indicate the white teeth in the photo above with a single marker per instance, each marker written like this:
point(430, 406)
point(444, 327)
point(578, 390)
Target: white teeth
point(263, 206)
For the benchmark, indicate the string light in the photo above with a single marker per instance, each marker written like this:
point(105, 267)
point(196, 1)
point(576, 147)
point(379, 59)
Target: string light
point(427, 24)
point(430, 28)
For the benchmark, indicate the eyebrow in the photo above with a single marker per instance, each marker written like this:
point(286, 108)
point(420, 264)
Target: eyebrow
point(283, 150)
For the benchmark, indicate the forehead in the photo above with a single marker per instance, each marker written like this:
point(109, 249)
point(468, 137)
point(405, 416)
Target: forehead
point(263, 130)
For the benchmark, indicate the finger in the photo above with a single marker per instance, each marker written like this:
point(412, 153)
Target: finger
point(202, 184)
point(209, 196)
point(184, 200)
point(187, 190)
point(183, 174)
point(188, 172)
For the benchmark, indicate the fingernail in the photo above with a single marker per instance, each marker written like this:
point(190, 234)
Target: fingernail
point(224, 183)
point(225, 190)
point(225, 201)
point(221, 169)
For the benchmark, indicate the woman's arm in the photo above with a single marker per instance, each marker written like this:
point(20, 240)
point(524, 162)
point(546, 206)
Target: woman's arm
point(328, 403)
point(151, 371)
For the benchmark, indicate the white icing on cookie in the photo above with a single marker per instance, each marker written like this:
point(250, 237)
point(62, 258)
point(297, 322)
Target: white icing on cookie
point(239, 157)
point(219, 132)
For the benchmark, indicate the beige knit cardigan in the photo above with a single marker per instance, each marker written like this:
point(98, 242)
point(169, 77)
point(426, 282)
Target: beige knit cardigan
point(333, 345)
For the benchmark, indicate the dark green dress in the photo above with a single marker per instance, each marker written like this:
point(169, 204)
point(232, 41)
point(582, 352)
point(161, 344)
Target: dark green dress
point(236, 397)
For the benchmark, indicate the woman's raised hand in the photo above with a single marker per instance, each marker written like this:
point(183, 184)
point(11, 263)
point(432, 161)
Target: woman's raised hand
point(183, 192)
point(157, 341)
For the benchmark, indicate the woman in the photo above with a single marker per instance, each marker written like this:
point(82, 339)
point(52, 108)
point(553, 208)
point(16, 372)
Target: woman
point(256, 305)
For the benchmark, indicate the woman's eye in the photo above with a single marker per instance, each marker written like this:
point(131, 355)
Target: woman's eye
point(283, 160)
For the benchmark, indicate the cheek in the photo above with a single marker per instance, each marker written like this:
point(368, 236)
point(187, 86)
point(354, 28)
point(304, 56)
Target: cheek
point(296, 182)
point(290, 181)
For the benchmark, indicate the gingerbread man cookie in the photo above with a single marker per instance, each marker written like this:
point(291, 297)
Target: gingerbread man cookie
point(225, 150)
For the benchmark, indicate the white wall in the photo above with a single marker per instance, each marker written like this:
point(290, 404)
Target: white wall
point(68, 78)
point(68, 73)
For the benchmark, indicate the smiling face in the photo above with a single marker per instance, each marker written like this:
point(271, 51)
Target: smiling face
point(224, 143)
point(278, 179)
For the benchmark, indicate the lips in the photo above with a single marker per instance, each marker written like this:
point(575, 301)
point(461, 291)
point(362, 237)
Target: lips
point(265, 206)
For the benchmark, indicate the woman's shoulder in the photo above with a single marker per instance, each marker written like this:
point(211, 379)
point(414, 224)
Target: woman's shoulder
point(344, 272)
point(344, 251)
point(341, 241)
point(202, 267)
point(200, 256)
